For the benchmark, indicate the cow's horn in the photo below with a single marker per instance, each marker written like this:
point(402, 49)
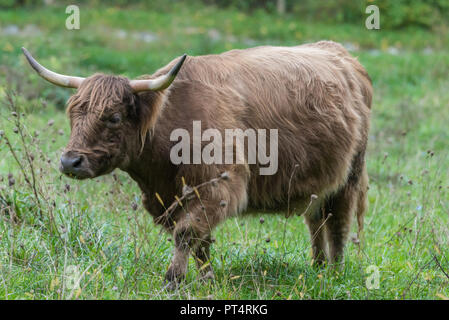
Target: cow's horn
point(160, 82)
point(53, 77)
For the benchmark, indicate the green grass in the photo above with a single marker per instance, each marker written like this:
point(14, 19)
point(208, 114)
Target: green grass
point(92, 225)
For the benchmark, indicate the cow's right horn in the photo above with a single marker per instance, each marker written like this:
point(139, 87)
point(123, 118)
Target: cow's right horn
point(159, 83)
point(53, 77)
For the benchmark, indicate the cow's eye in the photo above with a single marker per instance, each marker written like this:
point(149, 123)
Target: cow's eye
point(115, 119)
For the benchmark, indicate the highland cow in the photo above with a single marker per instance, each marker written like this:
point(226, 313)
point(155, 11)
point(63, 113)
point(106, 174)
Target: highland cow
point(316, 95)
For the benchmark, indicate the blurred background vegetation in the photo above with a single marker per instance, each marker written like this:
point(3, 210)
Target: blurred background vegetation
point(100, 224)
point(397, 13)
point(136, 37)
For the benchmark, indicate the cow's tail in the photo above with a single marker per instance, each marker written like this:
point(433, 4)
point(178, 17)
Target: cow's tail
point(361, 200)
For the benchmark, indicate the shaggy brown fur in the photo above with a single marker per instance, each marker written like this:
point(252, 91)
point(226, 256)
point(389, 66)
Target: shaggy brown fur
point(316, 95)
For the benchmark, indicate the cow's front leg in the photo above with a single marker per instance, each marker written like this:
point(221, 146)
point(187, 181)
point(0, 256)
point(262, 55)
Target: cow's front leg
point(199, 216)
point(184, 239)
point(189, 237)
point(202, 258)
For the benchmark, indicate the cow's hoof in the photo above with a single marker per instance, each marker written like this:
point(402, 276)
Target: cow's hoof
point(319, 263)
point(337, 266)
point(172, 280)
point(171, 285)
point(208, 276)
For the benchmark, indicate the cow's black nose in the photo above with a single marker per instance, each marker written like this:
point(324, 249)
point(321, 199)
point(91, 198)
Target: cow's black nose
point(70, 163)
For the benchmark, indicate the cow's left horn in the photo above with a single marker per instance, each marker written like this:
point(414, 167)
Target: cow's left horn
point(160, 82)
point(53, 77)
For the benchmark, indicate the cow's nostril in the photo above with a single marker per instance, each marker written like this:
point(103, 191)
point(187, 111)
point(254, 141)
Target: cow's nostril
point(71, 163)
point(77, 161)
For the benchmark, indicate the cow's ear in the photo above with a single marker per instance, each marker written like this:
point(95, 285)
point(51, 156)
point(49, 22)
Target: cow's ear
point(148, 108)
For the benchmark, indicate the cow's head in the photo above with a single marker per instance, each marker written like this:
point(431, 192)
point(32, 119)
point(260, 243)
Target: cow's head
point(108, 121)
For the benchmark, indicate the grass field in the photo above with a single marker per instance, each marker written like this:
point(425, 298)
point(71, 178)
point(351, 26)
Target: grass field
point(54, 230)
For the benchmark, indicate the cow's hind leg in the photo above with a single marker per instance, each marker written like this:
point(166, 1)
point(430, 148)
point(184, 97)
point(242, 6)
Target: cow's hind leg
point(343, 205)
point(340, 208)
point(315, 221)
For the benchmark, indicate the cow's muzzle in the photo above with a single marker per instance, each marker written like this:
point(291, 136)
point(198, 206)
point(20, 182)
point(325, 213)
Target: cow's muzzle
point(75, 165)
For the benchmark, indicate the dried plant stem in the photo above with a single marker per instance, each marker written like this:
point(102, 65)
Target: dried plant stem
point(169, 211)
point(18, 124)
point(439, 266)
